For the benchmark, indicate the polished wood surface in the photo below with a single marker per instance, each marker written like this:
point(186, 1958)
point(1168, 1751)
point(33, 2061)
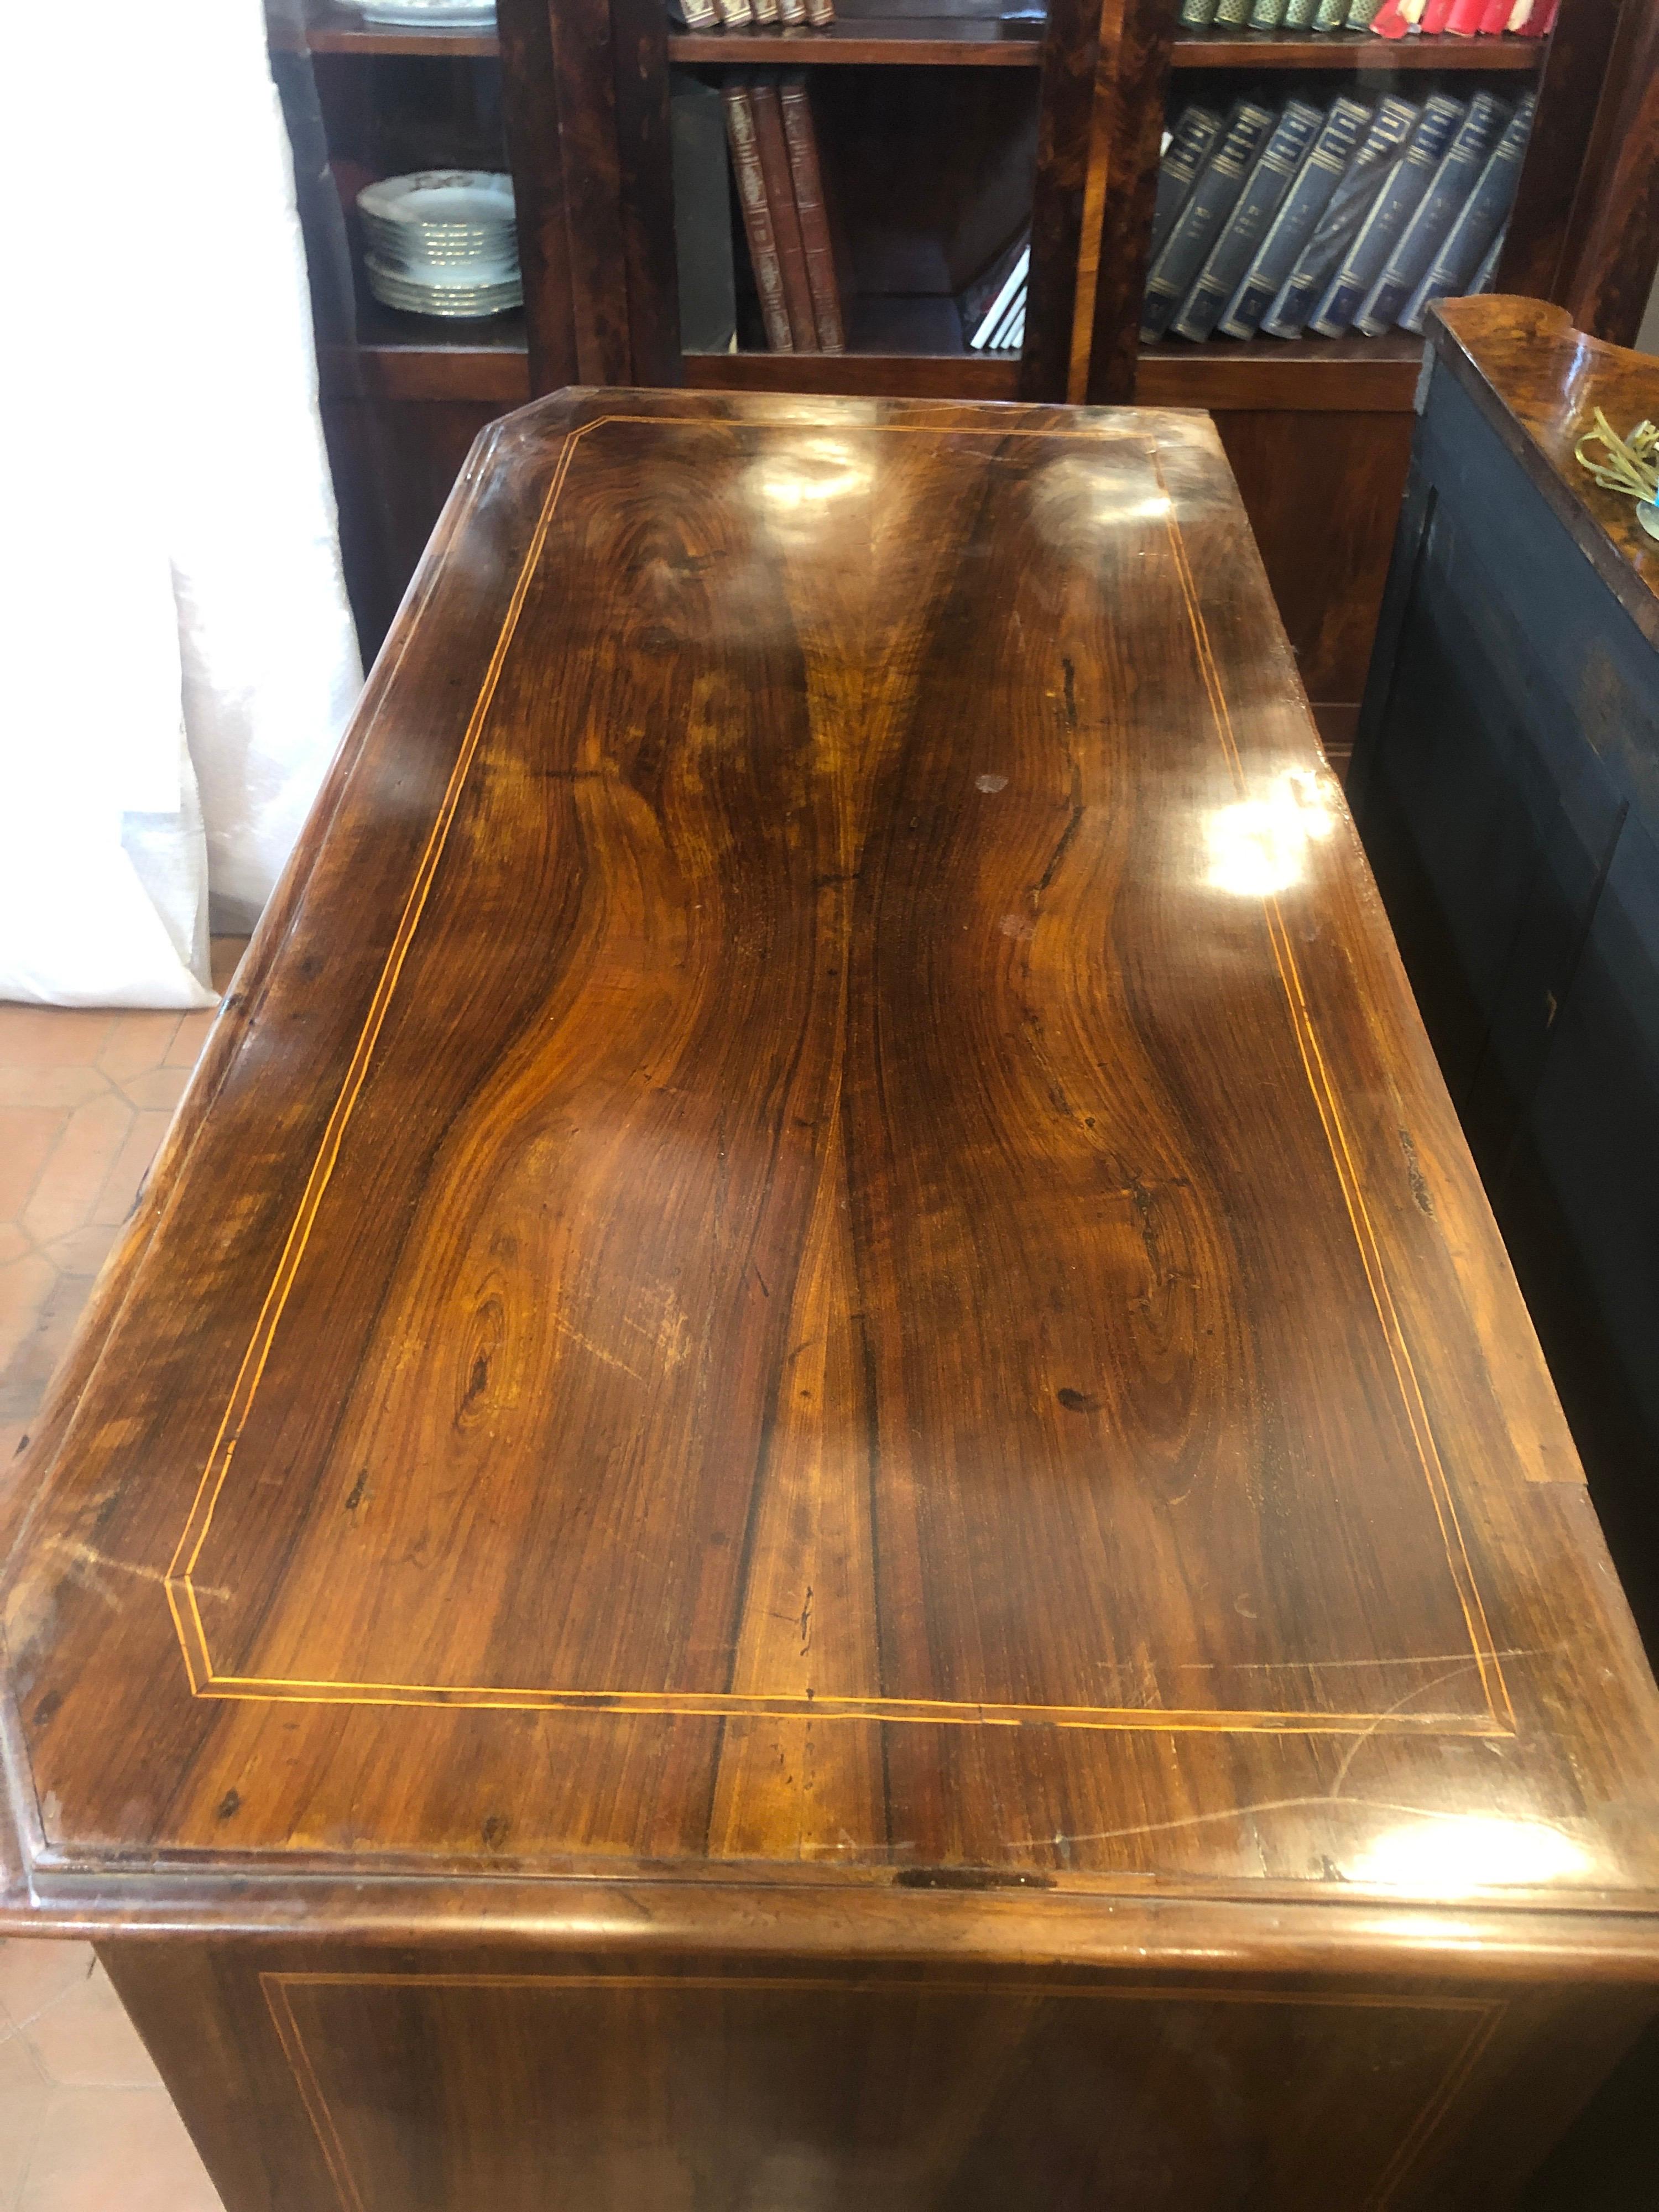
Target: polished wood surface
point(821, 1257)
point(1538, 382)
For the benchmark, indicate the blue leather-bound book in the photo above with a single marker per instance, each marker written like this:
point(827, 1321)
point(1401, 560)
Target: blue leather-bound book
point(1415, 247)
point(1391, 211)
point(1298, 211)
point(1209, 204)
point(1471, 243)
point(1195, 134)
point(1389, 129)
point(1253, 210)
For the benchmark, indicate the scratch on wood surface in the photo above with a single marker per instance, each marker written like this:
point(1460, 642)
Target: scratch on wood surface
point(88, 1565)
point(598, 1350)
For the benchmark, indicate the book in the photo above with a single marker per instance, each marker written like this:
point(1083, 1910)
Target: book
point(1299, 14)
point(702, 216)
point(1486, 275)
point(1472, 241)
point(1195, 133)
point(735, 15)
point(1298, 211)
point(820, 14)
point(1463, 18)
point(1397, 19)
point(1434, 214)
point(1389, 128)
point(994, 293)
point(1233, 12)
point(812, 211)
point(694, 14)
point(1359, 15)
point(1208, 205)
point(1003, 336)
point(766, 11)
point(1266, 15)
point(773, 150)
point(1390, 212)
point(757, 214)
point(1197, 15)
point(1329, 13)
point(1496, 18)
point(792, 13)
point(1434, 17)
point(1269, 179)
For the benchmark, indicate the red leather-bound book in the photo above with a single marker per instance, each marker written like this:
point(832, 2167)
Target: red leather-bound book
point(773, 150)
point(1397, 19)
point(812, 206)
point(757, 214)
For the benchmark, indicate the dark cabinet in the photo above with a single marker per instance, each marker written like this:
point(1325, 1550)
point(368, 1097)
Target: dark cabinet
point(1506, 781)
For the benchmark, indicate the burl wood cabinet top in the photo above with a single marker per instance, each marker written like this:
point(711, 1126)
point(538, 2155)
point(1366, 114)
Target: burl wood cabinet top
point(819, 1287)
point(1538, 382)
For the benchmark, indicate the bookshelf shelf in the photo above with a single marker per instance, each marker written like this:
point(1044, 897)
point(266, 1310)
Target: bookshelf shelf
point(860, 375)
point(1285, 375)
point(901, 343)
point(1350, 50)
point(415, 357)
point(872, 41)
point(337, 31)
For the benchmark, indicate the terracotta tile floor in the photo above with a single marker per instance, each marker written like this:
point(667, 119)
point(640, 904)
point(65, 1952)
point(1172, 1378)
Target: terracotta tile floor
point(85, 2124)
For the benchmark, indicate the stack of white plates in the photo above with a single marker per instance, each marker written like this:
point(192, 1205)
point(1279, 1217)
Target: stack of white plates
point(442, 242)
point(426, 14)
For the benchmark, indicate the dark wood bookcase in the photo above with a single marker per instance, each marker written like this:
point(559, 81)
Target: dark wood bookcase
point(924, 111)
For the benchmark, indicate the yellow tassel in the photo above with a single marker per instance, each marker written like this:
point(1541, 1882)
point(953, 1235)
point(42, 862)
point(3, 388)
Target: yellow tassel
point(1632, 465)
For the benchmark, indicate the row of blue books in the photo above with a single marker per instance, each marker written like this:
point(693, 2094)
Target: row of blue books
point(1356, 217)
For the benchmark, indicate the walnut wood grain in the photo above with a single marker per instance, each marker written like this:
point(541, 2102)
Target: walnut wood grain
point(1570, 84)
point(400, 2082)
point(1610, 256)
point(1539, 381)
point(821, 1287)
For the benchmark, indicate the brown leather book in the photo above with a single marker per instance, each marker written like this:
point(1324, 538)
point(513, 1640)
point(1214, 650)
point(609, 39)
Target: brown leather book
point(757, 213)
point(781, 202)
point(801, 133)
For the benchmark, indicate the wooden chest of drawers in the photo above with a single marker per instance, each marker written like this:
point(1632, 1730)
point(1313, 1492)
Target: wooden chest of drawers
point(813, 1480)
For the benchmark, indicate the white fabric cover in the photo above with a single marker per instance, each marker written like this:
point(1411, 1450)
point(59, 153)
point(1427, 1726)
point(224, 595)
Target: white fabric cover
point(177, 657)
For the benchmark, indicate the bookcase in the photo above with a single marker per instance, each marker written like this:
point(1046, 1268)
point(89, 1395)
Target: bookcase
point(946, 124)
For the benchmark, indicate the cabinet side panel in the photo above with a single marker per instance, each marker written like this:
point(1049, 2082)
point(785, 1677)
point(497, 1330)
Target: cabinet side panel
point(398, 2081)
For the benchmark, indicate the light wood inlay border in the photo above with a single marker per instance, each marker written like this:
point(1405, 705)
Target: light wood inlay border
point(206, 1682)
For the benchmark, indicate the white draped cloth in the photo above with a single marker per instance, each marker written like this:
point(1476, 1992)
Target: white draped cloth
point(178, 658)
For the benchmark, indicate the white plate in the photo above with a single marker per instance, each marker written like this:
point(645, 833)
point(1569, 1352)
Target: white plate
point(426, 14)
point(477, 199)
point(396, 248)
point(448, 299)
point(458, 276)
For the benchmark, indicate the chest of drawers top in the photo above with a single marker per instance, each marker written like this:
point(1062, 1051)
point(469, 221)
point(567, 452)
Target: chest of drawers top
point(819, 1276)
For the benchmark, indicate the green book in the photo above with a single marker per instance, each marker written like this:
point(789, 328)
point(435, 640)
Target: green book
point(1330, 14)
point(1268, 15)
point(1197, 15)
point(1232, 11)
point(1299, 14)
point(1359, 17)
